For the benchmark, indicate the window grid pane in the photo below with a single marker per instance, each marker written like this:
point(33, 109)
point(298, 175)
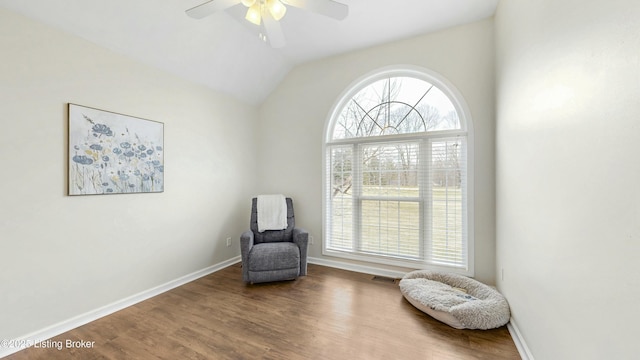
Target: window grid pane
point(391, 228)
point(447, 176)
point(390, 169)
point(341, 198)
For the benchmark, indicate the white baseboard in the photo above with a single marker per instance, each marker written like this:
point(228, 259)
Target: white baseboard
point(521, 345)
point(356, 267)
point(12, 346)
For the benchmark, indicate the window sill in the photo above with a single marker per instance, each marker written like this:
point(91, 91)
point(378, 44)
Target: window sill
point(397, 262)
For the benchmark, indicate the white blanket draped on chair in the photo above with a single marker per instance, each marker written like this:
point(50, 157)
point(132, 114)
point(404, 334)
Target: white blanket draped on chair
point(272, 212)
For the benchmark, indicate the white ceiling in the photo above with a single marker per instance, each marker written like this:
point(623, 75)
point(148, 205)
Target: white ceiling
point(221, 51)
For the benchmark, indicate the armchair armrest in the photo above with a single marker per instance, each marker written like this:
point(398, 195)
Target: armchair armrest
point(246, 243)
point(301, 238)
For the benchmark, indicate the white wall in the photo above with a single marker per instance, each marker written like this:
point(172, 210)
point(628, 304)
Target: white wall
point(292, 122)
point(568, 205)
point(62, 256)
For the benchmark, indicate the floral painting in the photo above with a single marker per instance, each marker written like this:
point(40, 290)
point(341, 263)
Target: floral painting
point(112, 153)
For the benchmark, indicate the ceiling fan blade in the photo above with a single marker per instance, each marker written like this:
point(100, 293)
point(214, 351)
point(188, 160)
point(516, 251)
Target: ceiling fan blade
point(274, 31)
point(210, 7)
point(328, 8)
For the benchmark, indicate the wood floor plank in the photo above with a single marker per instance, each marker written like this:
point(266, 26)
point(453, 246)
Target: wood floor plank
point(329, 314)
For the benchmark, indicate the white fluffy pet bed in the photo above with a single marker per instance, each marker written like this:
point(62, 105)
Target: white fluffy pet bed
point(456, 300)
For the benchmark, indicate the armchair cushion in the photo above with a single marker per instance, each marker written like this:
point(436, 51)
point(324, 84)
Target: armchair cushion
point(274, 256)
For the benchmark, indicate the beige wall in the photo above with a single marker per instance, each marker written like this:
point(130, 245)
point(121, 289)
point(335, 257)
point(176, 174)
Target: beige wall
point(62, 256)
point(568, 229)
point(292, 122)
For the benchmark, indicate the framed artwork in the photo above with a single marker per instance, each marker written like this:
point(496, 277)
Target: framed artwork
point(111, 153)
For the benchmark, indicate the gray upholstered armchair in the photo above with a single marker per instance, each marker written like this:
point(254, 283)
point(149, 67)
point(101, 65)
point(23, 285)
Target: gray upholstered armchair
point(273, 255)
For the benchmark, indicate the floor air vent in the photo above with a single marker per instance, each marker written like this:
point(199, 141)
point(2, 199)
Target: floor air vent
point(384, 279)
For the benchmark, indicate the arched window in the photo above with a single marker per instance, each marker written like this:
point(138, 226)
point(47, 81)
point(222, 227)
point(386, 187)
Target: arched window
point(397, 179)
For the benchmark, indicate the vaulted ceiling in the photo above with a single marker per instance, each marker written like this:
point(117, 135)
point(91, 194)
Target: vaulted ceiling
point(221, 52)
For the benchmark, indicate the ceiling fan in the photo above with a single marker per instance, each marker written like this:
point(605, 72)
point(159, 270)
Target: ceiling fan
point(267, 13)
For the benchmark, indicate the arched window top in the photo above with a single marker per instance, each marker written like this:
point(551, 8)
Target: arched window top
point(394, 104)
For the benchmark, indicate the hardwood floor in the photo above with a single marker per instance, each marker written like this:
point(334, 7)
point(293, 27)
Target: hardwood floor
point(329, 314)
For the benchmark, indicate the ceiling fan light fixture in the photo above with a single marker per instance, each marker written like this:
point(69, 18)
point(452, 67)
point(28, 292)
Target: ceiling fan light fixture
point(277, 9)
point(253, 14)
point(266, 14)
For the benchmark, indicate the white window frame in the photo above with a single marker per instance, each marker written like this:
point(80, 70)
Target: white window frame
point(466, 124)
